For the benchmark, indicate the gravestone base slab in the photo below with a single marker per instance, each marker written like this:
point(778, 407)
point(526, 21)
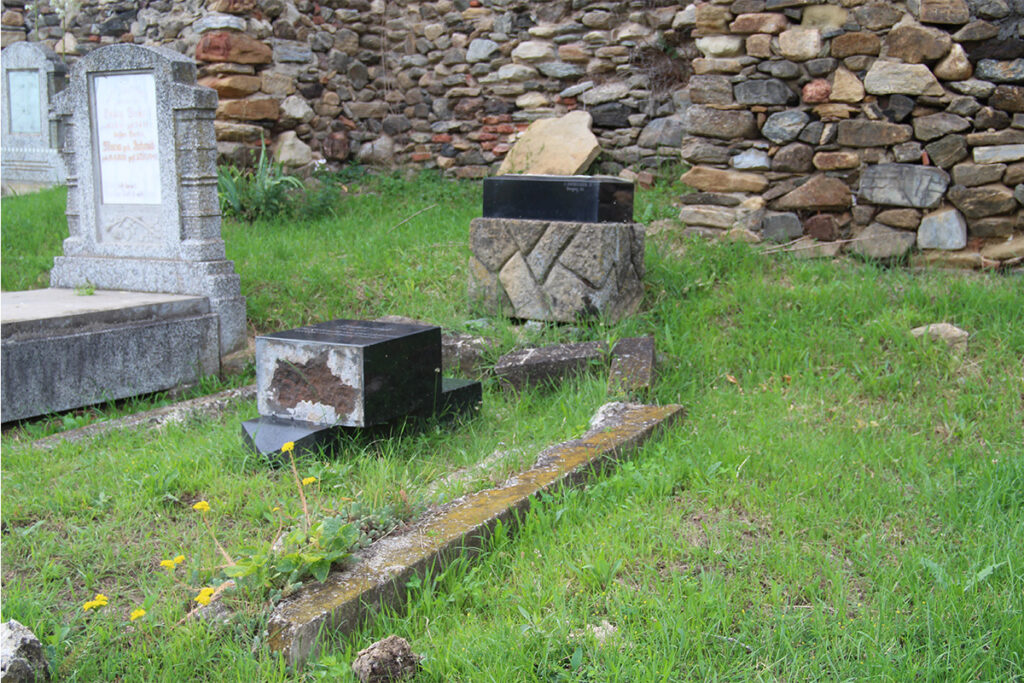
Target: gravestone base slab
point(556, 271)
point(266, 435)
point(63, 351)
point(215, 280)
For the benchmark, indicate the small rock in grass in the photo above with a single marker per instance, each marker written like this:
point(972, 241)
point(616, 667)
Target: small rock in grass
point(391, 659)
point(21, 654)
point(955, 338)
point(601, 633)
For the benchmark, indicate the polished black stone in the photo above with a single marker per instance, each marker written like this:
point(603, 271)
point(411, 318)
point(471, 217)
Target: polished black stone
point(266, 435)
point(578, 199)
point(401, 368)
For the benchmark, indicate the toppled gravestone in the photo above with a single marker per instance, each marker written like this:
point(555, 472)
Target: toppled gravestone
point(21, 655)
point(632, 364)
point(528, 367)
point(313, 381)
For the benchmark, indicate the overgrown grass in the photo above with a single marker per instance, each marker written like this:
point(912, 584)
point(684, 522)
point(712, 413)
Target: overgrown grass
point(843, 501)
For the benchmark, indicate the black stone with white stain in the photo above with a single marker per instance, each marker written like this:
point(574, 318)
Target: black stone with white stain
point(314, 383)
point(586, 199)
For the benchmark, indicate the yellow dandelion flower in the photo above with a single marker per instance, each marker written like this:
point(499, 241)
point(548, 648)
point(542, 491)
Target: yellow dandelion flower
point(308, 480)
point(99, 601)
point(178, 560)
point(288, 447)
point(137, 614)
point(168, 564)
point(204, 596)
point(101, 598)
point(201, 506)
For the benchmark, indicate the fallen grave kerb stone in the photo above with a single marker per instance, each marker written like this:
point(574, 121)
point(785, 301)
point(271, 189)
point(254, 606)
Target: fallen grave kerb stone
point(347, 598)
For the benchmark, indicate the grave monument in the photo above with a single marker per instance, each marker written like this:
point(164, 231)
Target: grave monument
point(141, 157)
point(556, 248)
point(161, 303)
point(29, 141)
point(314, 381)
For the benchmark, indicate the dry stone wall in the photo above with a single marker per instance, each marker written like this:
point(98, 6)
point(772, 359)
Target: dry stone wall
point(892, 125)
point(445, 83)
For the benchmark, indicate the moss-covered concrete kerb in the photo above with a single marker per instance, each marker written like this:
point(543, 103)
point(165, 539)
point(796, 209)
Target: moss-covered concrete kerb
point(346, 598)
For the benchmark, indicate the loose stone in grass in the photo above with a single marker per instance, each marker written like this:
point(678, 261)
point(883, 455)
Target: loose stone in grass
point(955, 338)
point(391, 659)
point(21, 655)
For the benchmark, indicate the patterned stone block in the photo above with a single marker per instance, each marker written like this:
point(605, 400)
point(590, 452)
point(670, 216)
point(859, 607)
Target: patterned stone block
point(556, 271)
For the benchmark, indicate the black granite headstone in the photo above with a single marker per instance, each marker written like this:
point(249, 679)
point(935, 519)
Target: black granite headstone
point(578, 199)
point(355, 373)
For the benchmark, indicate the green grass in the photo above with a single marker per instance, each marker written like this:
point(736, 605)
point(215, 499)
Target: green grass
point(843, 501)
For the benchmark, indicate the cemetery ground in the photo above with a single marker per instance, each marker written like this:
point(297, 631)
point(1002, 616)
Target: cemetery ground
point(842, 500)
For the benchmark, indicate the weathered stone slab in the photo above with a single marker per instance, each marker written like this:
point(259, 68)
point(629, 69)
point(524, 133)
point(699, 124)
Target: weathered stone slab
point(908, 219)
point(560, 146)
point(717, 180)
point(916, 44)
point(998, 71)
point(941, 11)
point(785, 126)
point(633, 361)
point(63, 351)
point(889, 78)
point(820, 193)
point(719, 123)
point(767, 91)
point(30, 75)
point(910, 185)
point(548, 364)
point(781, 226)
point(1003, 251)
point(998, 154)
point(353, 373)
point(572, 269)
point(985, 200)
point(880, 242)
point(944, 229)
point(863, 133)
point(342, 602)
point(947, 151)
point(936, 125)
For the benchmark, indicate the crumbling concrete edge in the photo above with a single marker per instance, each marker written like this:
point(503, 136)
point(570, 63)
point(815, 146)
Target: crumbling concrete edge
point(342, 602)
point(214, 404)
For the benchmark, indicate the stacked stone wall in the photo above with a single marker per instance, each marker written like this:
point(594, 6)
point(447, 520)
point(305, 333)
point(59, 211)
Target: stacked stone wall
point(440, 83)
point(881, 126)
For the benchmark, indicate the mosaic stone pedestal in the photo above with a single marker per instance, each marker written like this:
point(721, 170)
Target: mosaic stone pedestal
point(556, 271)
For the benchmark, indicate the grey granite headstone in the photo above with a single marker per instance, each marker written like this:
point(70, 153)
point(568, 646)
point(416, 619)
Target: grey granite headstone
point(31, 75)
point(140, 153)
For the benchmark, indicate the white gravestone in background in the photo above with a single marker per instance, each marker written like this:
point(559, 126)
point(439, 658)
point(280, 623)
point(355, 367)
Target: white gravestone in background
point(143, 212)
point(31, 75)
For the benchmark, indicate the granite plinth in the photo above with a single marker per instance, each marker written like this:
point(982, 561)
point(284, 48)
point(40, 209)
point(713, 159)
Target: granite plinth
point(266, 435)
point(62, 351)
point(353, 373)
point(586, 199)
point(556, 271)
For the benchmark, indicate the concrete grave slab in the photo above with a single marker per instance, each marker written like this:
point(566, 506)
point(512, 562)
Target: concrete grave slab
point(348, 597)
point(62, 351)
